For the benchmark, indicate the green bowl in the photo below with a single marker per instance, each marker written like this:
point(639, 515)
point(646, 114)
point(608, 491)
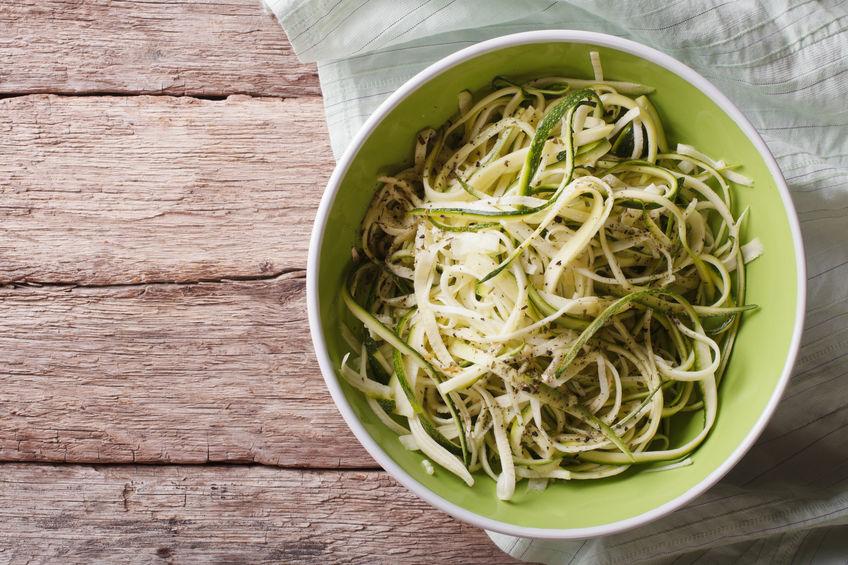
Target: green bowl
point(694, 112)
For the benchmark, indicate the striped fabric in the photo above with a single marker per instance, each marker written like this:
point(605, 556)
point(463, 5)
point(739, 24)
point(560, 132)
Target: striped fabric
point(784, 64)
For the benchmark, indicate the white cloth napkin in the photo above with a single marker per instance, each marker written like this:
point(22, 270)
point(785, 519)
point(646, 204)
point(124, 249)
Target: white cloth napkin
point(784, 64)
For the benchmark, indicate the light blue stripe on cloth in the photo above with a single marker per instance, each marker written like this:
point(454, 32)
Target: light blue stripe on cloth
point(784, 64)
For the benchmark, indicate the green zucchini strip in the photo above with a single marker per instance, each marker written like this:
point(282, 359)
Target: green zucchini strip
point(549, 286)
point(377, 327)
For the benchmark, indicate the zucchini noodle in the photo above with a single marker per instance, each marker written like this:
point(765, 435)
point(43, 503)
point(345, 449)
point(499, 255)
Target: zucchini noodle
point(547, 286)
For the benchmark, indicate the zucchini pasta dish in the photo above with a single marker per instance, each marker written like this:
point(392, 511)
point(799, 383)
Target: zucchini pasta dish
point(546, 286)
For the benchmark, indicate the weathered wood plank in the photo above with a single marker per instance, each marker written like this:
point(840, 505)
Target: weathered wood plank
point(111, 190)
point(207, 48)
point(135, 514)
point(210, 372)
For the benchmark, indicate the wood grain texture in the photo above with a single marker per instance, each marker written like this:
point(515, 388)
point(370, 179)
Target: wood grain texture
point(210, 372)
point(142, 514)
point(112, 190)
point(199, 48)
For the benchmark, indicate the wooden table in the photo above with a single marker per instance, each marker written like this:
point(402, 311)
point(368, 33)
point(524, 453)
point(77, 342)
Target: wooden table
point(160, 166)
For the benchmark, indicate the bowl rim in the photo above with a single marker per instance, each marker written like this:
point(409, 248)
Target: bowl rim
point(328, 199)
